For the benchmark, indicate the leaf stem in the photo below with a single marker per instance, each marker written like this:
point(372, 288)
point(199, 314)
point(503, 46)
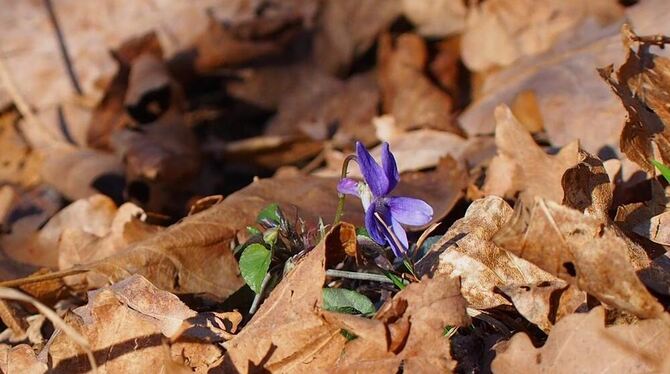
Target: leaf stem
point(259, 296)
point(357, 275)
point(341, 196)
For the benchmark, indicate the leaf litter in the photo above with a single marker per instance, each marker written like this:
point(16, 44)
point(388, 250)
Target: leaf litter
point(176, 186)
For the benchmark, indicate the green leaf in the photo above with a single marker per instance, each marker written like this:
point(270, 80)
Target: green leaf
point(270, 216)
point(346, 301)
point(253, 231)
point(270, 236)
point(665, 171)
point(362, 231)
point(254, 264)
point(397, 281)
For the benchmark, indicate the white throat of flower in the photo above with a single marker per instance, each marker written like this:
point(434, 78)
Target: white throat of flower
point(365, 194)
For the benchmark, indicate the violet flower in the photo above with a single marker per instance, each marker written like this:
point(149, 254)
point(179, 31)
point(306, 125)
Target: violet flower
point(379, 181)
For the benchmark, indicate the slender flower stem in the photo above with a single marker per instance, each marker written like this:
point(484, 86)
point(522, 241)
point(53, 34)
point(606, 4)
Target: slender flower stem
point(259, 296)
point(356, 275)
point(341, 196)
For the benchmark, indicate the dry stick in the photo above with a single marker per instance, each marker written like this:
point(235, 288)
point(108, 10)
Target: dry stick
point(41, 278)
point(12, 294)
point(357, 275)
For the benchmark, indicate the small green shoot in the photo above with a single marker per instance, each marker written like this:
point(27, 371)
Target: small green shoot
point(254, 264)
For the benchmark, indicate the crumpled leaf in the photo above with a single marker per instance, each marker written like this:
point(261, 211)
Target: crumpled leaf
point(642, 83)
point(402, 329)
point(125, 325)
point(407, 93)
point(20, 359)
point(582, 343)
point(176, 258)
point(230, 42)
point(92, 215)
point(546, 302)
point(467, 251)
point(521, 165)
point(499, 32)
point(42, 67)
point(583, 250)
point(348, 28)
point(566, 86)
point(587, 187)
point(286, 335)
point(435, 18)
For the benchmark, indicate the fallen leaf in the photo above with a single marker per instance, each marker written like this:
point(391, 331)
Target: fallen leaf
point(18, 164)
point(436, 18)
point(126, 326)
point(582, 343)
point(414, 319)
point(286, 334)
point(569, 92)
point(407, 93)
point(347, 28)
point(176, 258)
point(521, 165)
point(642, 84)
point(467, 251)
point(42, 67)
point(20, 359)
point(583, 250)
point(499, 32)
point(546, 302)
point(587, 187)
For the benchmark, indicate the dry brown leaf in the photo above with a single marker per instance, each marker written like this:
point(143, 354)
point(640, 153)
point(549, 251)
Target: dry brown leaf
point(407, 93)
point(195, 256)
point(642, 83)
point(41, 68)
point(499, 32)
point(18, 164)
point(587, 187)
point(125, 325)
point(20, 359)
point(92, 215)
point(436, 18)
point(287, 335)
point(413, 320)
point(544, 303)
point(521, 165)
point(347, 28)
point(583, 250)
point(582, 343)
point(569, 92)
point(343, 107)
point(231, 42)
point(467, 251)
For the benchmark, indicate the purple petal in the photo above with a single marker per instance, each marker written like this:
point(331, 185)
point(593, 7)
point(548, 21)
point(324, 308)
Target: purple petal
point(348, 186)
point(390, 168)
point(410, 211)
point(375, 229)
point(402, 237)
point(372, 173)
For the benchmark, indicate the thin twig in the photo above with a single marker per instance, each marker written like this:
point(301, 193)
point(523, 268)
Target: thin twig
point(12, 294)
point(357, 275)
point(41, 278)
point(259, 296)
